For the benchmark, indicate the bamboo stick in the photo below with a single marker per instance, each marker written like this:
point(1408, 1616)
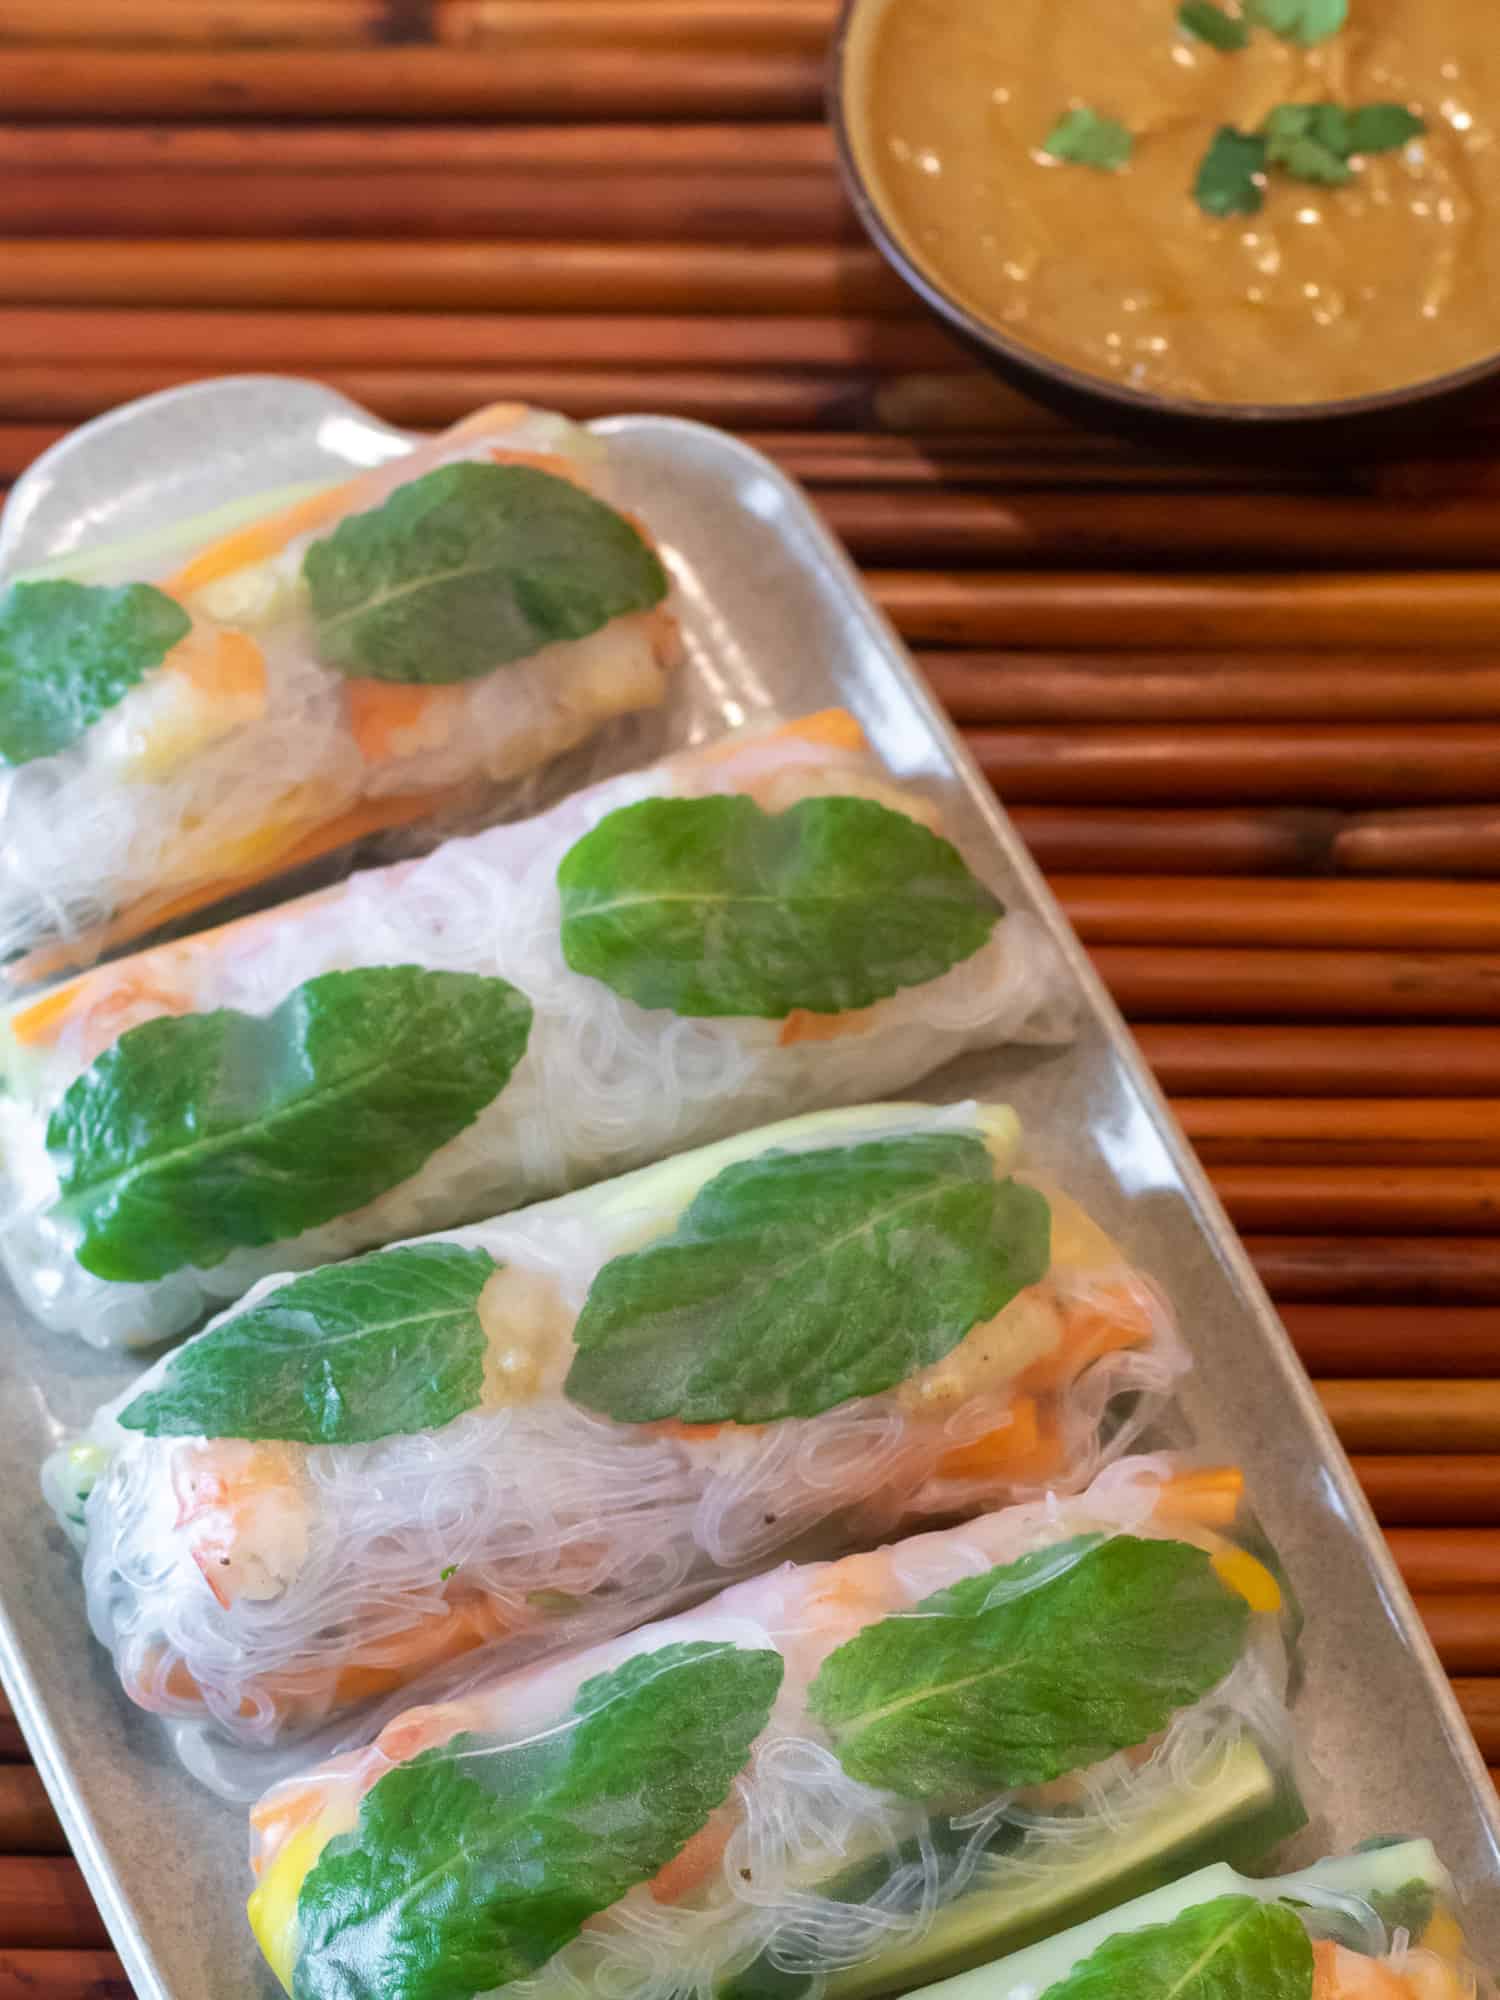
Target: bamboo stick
point(1431, 1490)
point(1230, 687)
point(1360, 1199)
point(1394, 612)
point(1465, 1628)
point(259, 24)
point(413, 83)
point(1437, 1270)
point(1172, 983)
point(1391, 916)
point(1449, 841)
point(62, 1975)
point(1057, 457)
point(1255, 1059)
point(28, 1825)
point(548, 150)
point(613, 204)
point(1347, 1131)
point(434, 397)
point(1366, 1341)
point(1233, 528)
point(1272, 839)
point(44, 1901)
point(1239, 762)
point(509, 277)
point(207, 340)
point(1414, 1416)
point(207, 23)
point(1268, 840)
point(1480, 1702)
point(1452, 840)
point(1435, 1561)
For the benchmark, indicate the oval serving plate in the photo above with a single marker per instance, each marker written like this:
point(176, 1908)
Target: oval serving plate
point(776, 623)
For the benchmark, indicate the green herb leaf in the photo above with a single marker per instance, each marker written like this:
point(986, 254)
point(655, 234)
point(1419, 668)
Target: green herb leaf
point(1040, 1667)
point(69, 652)
point(448, 1569)
point(1383, 128)
point(383, 1344)
point(469, 1870)
point(1408, 1908)
point(1305, 21)
point(1231, 178)
point(1212, 24)
point(1089, 141)
point(711, 906)
point(470, 567)
point(796, 1281)
point(1224, 1950)
point(195, 1134)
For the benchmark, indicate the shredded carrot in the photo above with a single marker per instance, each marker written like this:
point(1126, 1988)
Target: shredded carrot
point(691, 1864)
point(835, 727)
point(262, 539)
point(1212, 1496)
point(1026, 1447)
point(802, 1026)
point(370, 816)
point(673, 1427)
point(224, 663)
point(379, 712)
point(545, 461)
point(284, 1809)
point(1089, 1332)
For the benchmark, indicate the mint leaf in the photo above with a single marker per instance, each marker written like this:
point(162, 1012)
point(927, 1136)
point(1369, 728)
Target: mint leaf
point(1228, 1949)
point(1211, 24)
point(1382, 128)
point(194, 1134)
point(1305, 21)
point(69, 652)
point(386, 1343)
point(1037, 1668)
point(1089, 141)
point(1308, 160)
point(796, 1281)
point(477, 1862)
point(1408, 1908)
point(470, 567)
point(1231, 178)
point(711, 906)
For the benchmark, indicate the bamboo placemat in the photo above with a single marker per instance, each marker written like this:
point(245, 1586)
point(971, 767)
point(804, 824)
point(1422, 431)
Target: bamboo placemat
point(1248, 717)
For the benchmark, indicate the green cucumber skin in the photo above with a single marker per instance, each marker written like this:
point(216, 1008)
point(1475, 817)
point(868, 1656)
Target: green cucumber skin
point(1042, 1965)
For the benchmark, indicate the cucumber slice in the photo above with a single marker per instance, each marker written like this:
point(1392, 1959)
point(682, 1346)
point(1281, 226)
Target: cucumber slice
point(1372, 1875)
point(1245, 1810)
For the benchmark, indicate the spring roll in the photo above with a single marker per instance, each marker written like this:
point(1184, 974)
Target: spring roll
point(1378, 1924)
point(346, 664)
point(856, 1773)
point(763, 926)
point(564, 1421)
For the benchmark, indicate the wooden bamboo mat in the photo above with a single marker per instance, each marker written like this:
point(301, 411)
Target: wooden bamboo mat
point(1247, 716)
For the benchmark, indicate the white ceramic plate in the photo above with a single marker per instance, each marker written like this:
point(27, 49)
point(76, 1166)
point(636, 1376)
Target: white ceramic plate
point(777, 623)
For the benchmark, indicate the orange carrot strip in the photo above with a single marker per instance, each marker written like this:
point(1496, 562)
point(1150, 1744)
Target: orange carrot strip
point(802, 1026)
point(835, 727)
point(691, 1864)
point(1212, 1496)
point(379, 711)
point(1022, 1447)
point(370, 816)
point(1088, 1333)
point(264, 537)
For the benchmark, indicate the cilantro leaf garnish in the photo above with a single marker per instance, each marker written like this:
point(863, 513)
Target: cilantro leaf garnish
point(1231, 179)
point(1089, 140)
point(1211, 24)
point(1305, 21)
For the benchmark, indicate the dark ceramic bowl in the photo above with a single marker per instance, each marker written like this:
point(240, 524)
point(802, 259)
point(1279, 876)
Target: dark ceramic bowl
point(1095, 399)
